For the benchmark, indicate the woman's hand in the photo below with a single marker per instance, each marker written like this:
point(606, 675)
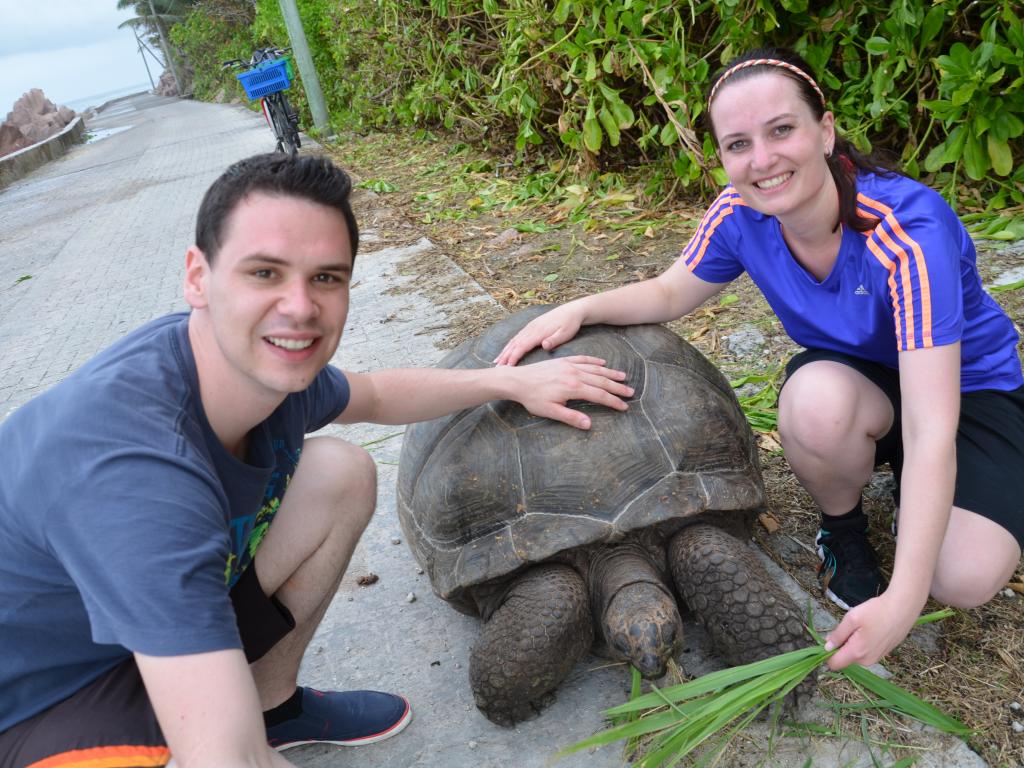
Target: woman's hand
point(548, 331)
point(870, 630)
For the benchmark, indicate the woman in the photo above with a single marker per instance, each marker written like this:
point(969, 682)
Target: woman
point(907, 359)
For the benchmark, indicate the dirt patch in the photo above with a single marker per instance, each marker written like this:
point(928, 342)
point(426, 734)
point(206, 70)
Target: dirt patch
point(529, 236)
point(466, 316)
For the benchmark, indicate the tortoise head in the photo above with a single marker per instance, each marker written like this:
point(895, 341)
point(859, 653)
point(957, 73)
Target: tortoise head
point(642, 626)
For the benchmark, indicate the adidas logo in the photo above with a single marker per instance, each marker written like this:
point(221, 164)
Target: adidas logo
point(861, 290)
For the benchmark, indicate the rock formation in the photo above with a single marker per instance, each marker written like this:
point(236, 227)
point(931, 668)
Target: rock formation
point(166, 86)
point(33, 119)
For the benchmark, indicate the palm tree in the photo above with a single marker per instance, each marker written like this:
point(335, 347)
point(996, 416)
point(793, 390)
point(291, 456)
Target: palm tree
point(150, 15)
point(155, 16)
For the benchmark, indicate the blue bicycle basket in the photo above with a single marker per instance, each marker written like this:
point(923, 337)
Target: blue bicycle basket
point(268, 77)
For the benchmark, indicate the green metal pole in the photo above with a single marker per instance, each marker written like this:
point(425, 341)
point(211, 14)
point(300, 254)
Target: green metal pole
point(310, 81)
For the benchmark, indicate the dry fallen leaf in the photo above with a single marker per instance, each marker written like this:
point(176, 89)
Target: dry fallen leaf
point(1008, 660)
point(699, 332)
point(770, 523)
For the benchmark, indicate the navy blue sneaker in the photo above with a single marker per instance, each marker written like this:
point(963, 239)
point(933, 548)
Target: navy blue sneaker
point(348, 718)
point(849, 572)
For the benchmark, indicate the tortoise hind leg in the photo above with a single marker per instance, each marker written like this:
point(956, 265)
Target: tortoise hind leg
point(748, 615)
point(530, 643)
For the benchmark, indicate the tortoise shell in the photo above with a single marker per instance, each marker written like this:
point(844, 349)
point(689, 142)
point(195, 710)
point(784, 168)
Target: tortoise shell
point(488, 490)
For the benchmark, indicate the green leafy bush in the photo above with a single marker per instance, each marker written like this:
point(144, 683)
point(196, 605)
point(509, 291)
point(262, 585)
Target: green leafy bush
point(981, 101)
point(609, 83)
point(208, 40)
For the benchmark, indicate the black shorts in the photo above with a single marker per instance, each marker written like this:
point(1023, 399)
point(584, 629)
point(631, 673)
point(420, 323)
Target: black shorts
point(989, 442)
point(110, 722)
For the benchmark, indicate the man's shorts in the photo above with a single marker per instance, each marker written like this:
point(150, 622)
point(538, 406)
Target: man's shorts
point(989, 442)
point(110, 722)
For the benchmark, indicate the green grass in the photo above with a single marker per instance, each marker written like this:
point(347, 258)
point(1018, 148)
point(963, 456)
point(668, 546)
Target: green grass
point(1007, 287)
point(674, 722)
point(760, 408)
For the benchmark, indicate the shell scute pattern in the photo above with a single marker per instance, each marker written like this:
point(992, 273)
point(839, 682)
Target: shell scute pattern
point(487, 491)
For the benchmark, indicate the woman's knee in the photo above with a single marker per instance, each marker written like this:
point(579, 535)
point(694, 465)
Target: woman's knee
point(818, 407)
point(977, 558)
point(966, 587)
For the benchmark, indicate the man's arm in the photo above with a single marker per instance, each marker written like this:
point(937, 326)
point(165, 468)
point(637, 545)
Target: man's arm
point(403, 396)
point(209, 710)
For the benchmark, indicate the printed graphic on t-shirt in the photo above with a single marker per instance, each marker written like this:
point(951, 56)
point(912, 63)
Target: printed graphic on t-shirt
point(247, 531)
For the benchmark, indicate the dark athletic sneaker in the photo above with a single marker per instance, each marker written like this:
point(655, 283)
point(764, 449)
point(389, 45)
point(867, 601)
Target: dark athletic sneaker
point(348, 718)
point(849, 571)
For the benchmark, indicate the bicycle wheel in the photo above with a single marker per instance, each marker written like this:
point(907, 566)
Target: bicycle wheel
point(269, 108)
point(291, 129)
point(287, 137)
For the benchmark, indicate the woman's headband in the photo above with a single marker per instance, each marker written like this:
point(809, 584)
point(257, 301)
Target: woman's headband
point(768, 63)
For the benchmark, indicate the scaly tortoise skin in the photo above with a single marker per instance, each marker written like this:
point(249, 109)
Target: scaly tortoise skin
point(565, 541)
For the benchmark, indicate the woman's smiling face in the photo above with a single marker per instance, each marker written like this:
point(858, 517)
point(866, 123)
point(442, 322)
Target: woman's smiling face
point(771, 145)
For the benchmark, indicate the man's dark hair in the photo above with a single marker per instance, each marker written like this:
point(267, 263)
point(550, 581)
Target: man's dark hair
point(308, 177)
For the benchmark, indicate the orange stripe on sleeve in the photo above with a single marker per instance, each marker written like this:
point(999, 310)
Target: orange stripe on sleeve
point(879, 210)
point(130, 756)
point(919, 263)
point(922, 275)
point(890, 266)
point(905, 281)
point(698, 245)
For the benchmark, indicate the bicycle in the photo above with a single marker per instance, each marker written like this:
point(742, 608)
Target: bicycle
point(268, 76)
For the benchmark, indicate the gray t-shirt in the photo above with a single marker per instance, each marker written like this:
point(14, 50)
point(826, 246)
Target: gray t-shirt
point(124, 519)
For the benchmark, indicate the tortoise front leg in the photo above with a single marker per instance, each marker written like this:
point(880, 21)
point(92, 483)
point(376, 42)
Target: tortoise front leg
point(529, 645)
point(747, 614)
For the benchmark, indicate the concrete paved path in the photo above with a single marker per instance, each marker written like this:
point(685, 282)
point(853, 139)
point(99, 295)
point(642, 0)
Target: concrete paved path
point(93, 245)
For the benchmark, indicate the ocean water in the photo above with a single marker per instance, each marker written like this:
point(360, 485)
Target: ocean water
point(80, 105)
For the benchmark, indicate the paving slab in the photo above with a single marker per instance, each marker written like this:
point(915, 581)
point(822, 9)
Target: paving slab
point(92, 245)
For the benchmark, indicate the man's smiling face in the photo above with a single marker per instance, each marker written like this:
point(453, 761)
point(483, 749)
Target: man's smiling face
point(276, 295)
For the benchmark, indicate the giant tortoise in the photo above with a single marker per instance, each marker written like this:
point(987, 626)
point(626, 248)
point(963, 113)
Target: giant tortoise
point(565, 540)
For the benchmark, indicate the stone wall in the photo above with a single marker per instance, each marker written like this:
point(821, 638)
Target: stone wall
point(17, 164)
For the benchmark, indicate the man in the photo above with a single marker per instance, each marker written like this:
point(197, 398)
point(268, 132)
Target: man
point(158, 585)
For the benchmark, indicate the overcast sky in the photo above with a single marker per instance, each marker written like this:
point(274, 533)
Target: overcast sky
point(72, 49)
